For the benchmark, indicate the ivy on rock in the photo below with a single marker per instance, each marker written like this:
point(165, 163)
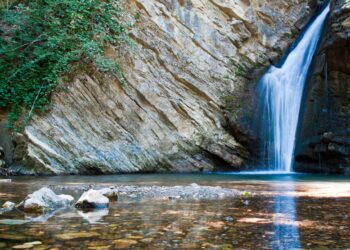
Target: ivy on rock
point(42, 41)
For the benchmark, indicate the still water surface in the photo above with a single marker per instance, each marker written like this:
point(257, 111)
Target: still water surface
point(286, 211)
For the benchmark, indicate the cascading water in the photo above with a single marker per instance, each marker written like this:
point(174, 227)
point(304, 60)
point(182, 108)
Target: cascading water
point(281, 91)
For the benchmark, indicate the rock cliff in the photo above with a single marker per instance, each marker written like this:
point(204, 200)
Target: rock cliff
point(193, 65)
point(324, 143)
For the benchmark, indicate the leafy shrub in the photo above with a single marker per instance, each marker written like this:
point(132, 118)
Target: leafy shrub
point(43, 40)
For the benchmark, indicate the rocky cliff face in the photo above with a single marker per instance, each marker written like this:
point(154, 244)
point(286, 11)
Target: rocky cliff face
point(324, 143)
point(181, 106)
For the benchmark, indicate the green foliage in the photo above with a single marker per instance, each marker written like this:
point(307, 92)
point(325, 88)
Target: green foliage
point(240, 71)
point(43, 40)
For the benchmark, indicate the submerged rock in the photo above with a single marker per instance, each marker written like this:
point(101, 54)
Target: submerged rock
point(27, 245)
point(76, 235)
point(92, 199)
point(45, 199)
point(124, 243)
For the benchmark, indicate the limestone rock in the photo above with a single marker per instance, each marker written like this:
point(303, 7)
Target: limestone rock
point(92, 199)
point(193, 63)
point(44, 200)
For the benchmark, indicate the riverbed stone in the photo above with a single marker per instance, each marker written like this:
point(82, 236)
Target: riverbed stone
point(45, 199)
point(92, 199)
point(124, 243)
point(76, 235)
point(27, 245)
point(8, 205)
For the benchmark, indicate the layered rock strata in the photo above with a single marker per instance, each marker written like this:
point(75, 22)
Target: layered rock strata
point(181, 108)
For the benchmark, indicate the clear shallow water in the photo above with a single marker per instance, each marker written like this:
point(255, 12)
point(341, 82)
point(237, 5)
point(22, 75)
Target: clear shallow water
point(286, 211)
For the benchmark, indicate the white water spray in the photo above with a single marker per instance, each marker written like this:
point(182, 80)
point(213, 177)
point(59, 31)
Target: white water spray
point(281, 91)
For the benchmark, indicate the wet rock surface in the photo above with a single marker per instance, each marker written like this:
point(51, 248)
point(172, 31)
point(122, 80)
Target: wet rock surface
point(92, 199)
point(194, 62)
point(324, 141)
point(44, 200)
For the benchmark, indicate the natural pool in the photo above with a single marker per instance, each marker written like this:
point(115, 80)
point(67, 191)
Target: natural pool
point(285, 211)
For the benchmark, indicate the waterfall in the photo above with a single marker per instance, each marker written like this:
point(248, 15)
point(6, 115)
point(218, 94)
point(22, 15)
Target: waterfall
point(281, 92)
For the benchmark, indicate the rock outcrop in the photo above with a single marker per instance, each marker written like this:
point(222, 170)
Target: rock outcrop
point(324, 143)
point(181, 108)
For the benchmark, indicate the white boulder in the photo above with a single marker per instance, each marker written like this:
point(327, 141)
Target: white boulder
point(8, 205)
point(92, 199)
point(45, 199)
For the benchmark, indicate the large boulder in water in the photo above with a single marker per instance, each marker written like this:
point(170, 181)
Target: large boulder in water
point(45, 199)
point(92, 199)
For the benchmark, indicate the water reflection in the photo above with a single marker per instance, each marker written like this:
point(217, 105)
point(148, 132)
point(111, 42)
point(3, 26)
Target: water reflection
point(284, 212)
point(94, 216)
point(286, 232)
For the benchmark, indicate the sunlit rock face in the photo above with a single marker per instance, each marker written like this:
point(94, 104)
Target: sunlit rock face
point(182, 107)
point(324, 143)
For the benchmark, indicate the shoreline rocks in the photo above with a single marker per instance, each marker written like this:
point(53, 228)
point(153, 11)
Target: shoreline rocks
point(137, 193)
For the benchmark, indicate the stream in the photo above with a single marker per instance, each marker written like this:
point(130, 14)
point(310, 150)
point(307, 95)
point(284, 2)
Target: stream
point(277, 211)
